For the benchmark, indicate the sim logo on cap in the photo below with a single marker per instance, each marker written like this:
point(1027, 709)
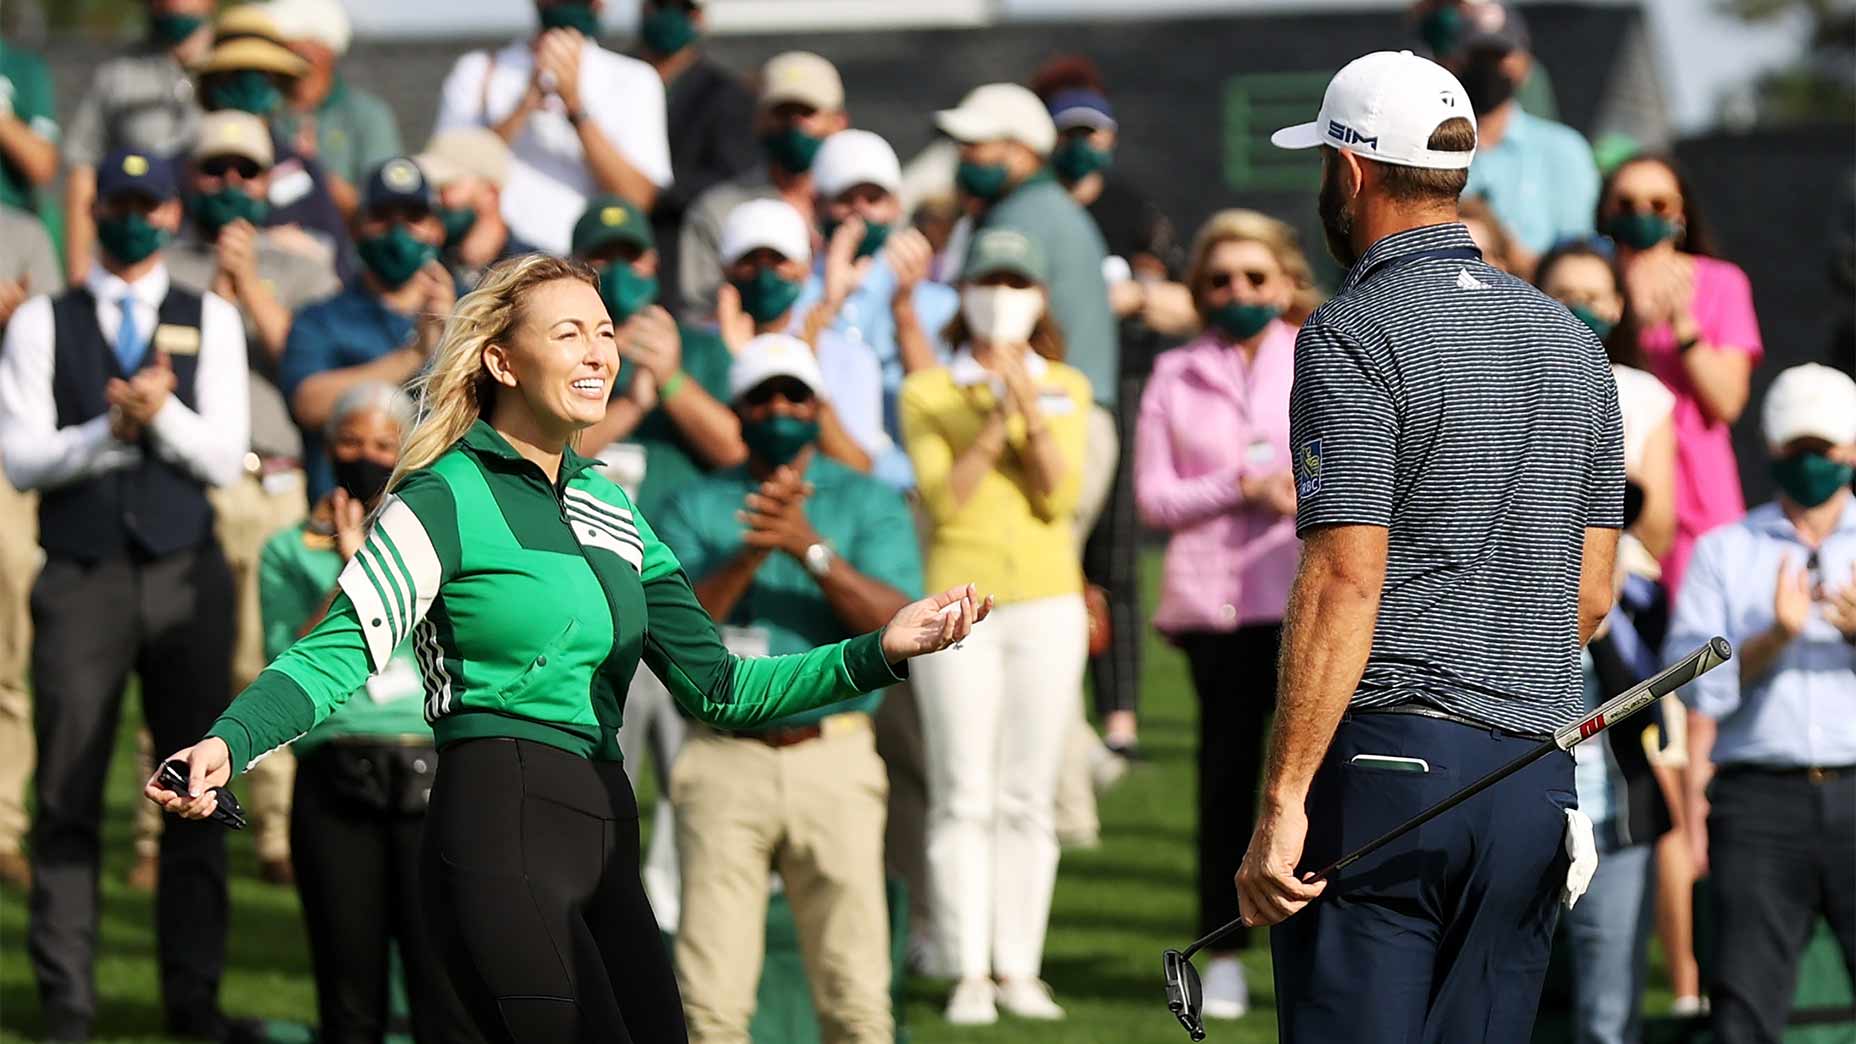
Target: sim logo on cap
point(1348, 136)
point(612, 216)
point(135, 166)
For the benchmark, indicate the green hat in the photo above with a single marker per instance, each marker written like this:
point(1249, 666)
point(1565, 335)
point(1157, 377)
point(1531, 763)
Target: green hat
point(1005, 250)
point(609, 219)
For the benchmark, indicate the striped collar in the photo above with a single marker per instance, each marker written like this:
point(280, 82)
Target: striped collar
point(1423, 239)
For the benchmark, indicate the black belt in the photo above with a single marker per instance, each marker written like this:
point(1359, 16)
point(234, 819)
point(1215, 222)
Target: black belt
point(1808, 773)
point(1426, 711)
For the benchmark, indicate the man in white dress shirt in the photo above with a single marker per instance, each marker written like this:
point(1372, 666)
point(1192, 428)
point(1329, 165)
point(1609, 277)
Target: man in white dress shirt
point(579, 120)
point(121, 400)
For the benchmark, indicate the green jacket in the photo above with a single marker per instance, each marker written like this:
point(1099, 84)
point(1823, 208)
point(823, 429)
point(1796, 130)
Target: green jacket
point(529, 605)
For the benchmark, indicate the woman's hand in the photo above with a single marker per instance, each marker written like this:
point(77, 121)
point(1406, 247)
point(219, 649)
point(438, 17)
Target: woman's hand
point(934, 623)
point(349, 516)
point(209, 765)
point(1021, 392)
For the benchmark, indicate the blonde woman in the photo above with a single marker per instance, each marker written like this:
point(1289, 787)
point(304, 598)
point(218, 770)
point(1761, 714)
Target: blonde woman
point(996, 438)
point(531, 590)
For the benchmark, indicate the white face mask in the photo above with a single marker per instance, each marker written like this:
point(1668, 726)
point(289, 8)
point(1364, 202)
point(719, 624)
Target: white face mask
point(1002, 314)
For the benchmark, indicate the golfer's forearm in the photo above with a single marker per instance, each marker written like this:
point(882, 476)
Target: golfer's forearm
point(1327, 635)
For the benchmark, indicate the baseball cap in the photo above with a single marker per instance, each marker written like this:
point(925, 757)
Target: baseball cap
point(230, 132)
point(774, 355)
point(1811, 401)
point(398, 182)
point(1082, 108)
point(1384, 106)
point(126, 171)
point(803, 77)
point(322, 21)
point(247, 20)
point(1005, 250)
point(1492, 26)
point(855, 157)
point(770, 223)
point(1000, 112)
point(465, 152)
point(609, 219)
point(252, 52)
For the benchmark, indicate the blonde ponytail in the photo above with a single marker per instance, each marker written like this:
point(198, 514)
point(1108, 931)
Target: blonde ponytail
point(455, 389)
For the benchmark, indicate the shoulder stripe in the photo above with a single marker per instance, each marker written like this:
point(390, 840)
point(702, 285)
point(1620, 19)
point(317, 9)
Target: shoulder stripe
point(370, 600)
point(388, 573)
point(599, 506)
point(397, 557)
point(618, 528)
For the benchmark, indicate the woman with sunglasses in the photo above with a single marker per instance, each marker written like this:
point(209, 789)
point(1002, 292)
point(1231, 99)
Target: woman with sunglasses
point(996, 437)
point(1691, 314)
point(1212, 467)
point(531, 590)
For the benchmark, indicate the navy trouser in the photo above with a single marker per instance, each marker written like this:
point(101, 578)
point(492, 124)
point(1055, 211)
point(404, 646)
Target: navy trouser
point(1441, 937)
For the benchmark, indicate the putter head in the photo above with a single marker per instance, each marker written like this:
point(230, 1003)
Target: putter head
point(1184, 993)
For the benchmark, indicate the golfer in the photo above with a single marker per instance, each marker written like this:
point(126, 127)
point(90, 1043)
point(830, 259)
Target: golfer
point(1460, 484)
point(531, 590)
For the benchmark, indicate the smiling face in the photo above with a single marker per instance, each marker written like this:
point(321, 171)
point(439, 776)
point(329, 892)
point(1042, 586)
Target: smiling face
point(559, 359)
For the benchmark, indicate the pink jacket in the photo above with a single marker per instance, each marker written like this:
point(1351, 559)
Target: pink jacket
point(1207, 420)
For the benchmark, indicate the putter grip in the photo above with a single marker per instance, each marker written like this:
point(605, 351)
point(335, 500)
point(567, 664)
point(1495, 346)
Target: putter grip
point(1711, 654)
point(228, 813)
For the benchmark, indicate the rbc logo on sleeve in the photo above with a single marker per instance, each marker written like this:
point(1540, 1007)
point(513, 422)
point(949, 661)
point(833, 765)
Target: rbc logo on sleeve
point(1308, 469)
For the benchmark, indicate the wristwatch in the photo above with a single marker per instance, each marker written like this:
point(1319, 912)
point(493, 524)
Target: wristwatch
point(819, 558)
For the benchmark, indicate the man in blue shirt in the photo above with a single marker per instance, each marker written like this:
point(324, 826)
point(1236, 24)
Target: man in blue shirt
point(385, 324)
point(1538, 175)
point(871, 290)
point(1778, 735)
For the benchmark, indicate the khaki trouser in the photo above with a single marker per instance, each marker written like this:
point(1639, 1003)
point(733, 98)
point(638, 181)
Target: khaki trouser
point(249, 513)
point(1077, 820)
point(19, 565)
point(814, 812)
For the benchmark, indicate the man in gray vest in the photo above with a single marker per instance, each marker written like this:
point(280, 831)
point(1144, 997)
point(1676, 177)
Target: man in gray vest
point(121, 400)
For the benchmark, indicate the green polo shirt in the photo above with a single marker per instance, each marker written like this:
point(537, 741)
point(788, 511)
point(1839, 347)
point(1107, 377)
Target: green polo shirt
point(865, 522)
point(355, 132)
point(296, 571)
point(27, 86)
point(669, 463)
point(530, 604)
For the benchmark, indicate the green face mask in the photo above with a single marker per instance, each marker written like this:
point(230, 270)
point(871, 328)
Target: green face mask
point(1640, 231)
point(1599, 324)
point(1241, 322)
point(1076, 159)
point(875, 235)
point(395, 256)
point(247, 90)
point(666, 30)
point(215, 210)
point(578, 16)
point(625, 291)
point(458, 223)
point(793, 149)
point(981, 180)
point(1809, 479)
point(779, 438)
point(131, 237)
point(1441, 30)
point(767, 296)
point(169, 30)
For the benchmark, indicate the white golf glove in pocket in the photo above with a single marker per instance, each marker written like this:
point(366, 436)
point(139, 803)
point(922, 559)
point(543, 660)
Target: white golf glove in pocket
point(1581, 854)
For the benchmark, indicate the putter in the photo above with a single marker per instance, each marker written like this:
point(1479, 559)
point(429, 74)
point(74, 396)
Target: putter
point(1183, 989)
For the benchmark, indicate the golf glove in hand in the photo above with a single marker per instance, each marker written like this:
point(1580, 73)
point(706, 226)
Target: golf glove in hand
point(1581, 854)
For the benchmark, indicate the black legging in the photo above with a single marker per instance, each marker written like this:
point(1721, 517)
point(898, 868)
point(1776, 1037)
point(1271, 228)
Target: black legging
point(531, 876)
point(1235, 677)
point(354, 841)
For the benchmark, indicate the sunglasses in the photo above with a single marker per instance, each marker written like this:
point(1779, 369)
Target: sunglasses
point(220, 166)
point(1255, 277)
point(1652, 204)
point(792, 389)
point(1185, 996)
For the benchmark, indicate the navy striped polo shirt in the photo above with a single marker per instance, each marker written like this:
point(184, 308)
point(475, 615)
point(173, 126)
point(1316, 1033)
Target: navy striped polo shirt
point(1477, 420)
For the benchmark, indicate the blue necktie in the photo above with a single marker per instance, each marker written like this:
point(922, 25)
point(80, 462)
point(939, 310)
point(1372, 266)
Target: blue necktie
point(129, 344)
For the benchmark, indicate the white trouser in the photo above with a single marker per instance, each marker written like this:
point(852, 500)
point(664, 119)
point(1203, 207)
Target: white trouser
point(651, 719)
point(996, 715)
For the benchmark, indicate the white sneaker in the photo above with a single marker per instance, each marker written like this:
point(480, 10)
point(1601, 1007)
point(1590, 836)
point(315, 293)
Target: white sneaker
point(1028, 999)
point(1227, 995)
point(1688, 1007)
point(972, 1004)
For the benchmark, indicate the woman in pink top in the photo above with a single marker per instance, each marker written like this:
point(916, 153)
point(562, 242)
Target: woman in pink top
point(1694, 321)
point(1212, 467)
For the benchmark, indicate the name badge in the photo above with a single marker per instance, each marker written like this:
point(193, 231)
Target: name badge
point(177, 340)
point(290, 181)
point(747, 641)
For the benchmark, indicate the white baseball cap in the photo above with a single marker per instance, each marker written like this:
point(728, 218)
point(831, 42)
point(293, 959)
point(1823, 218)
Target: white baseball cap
point(855, 157)
point(802, 77)
point(1384, 106)
point(774, 355)
point(323, 21)
point(1809, 402)
point(1000, 112)
point(770, 223)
